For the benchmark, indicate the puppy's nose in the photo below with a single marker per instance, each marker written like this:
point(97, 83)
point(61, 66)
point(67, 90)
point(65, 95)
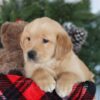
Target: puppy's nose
point(32, 54)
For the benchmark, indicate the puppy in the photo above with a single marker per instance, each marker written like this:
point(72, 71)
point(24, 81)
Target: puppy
point(49, 57)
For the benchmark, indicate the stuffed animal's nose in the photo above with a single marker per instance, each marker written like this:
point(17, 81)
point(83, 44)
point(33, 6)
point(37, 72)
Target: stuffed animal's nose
point(32, 54)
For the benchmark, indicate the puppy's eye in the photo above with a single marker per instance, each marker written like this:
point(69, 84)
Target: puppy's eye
point(45, 41)
point(28, 38)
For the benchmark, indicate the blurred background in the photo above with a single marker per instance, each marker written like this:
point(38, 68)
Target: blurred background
point(80, 13)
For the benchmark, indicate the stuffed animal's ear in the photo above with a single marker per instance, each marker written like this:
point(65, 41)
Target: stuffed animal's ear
point(64, 45)
point(4, 27)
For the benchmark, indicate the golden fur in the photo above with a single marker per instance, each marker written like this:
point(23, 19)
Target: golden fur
point(56, 65)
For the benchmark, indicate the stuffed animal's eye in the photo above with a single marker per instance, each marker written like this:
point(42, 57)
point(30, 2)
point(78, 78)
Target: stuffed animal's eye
point(45, 40)
point(28, 38)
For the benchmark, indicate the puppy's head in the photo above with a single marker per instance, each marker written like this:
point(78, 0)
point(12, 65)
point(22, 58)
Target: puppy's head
point(44, 39)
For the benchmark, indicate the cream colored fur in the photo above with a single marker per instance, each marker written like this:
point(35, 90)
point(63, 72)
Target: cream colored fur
point(57, 66)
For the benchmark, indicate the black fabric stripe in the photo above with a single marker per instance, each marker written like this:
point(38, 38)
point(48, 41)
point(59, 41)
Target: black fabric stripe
point(51, 96)
point(18, 88)
point(25, 83)
point(91, 87)
point(28, 82)
point(12, 93)
point(10, 90)
point(4, 82)
point(91, 90)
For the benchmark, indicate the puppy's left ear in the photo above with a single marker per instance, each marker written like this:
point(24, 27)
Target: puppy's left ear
point(64, 46)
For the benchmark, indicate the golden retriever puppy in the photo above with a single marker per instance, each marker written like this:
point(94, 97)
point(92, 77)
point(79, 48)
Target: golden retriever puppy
point(49, 57)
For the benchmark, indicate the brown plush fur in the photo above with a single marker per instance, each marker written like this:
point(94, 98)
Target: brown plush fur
point(11, 54)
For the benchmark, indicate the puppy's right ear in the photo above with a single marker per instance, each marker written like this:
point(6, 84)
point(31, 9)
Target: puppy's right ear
point(4, 27)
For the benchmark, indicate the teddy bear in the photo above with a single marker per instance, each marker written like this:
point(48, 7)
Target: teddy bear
point(11, 55)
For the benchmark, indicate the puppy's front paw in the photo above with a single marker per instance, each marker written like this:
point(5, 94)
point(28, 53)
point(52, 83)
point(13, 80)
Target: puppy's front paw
point(47, 84)
point(44, 80)
point(63, 89)
point(65, 84)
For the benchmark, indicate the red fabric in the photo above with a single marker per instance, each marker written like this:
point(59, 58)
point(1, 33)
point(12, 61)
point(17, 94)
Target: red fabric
point(31, 92)
point(13, 87)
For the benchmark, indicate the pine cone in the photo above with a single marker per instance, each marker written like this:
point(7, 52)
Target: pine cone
point(78, 35)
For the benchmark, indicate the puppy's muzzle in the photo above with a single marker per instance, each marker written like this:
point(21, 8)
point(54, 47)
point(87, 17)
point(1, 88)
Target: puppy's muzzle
point(32, 55)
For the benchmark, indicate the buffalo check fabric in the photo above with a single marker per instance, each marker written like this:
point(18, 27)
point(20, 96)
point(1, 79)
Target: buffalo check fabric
point(14, 87)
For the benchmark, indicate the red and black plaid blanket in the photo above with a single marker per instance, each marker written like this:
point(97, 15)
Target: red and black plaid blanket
point(14, 87)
